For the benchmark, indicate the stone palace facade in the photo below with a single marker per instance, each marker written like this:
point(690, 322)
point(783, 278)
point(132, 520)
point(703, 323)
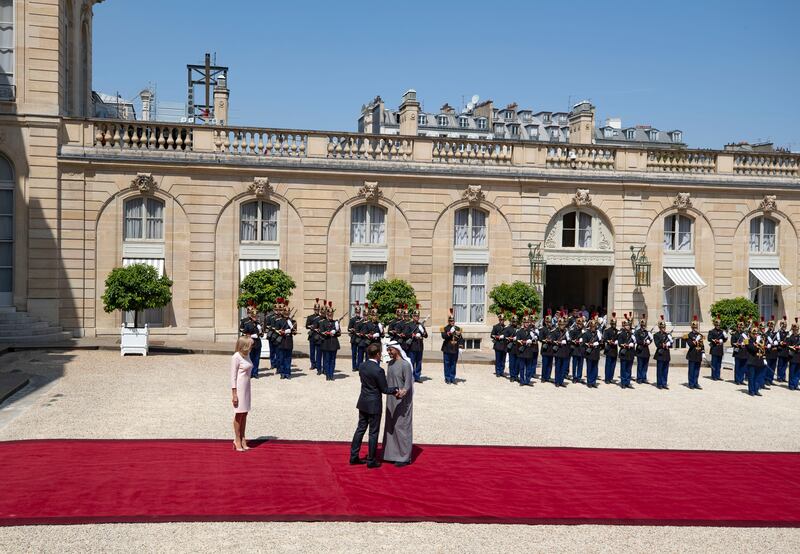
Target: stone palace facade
point(336, 210)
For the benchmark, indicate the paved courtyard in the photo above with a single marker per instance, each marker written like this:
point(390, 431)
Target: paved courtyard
point(97, 394)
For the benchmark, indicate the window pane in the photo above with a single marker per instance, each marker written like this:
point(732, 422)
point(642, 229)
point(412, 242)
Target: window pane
point(569, 220)
point(462, 228)
point(247, 226)
point(6, 254)
point(6, 202)
point(478, 228)
point(376, 272)
point(755, 234)
point(7, 11)
point(585, 231)
point(358, 227)
point(568, 238)
point(6, 283)
point(155, 219)
point(6, 172)
point(669, 234)
point(6, 38)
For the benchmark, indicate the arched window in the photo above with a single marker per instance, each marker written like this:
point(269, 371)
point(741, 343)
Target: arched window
point(470, 227)
point(678, 233)
point(576, 230)
point(144, 219)
point(368, 225)
point(763, 235)
point(259, 222)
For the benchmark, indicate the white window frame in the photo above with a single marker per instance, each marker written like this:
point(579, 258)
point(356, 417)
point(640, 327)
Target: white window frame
point(13, 47)
point(630, 134)
point(762, 246)
point(422, 119)
point(260, 221)
point(474, 238)
point(676, 136)
point(672, 236)
point(481, 123)
point(579, 230)
point(374, 272)
point(514, 130)
point(475, 295)
point(678, 302)
point(144, 219)
point(608, 132)
point(441, 120)
point(764, 296)
point(463, 122)
point(369, 210)
point(509, 115)
point(652, 134)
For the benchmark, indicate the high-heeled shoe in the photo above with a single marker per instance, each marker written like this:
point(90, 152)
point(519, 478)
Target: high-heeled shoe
point(239, 449)
point(244, 445)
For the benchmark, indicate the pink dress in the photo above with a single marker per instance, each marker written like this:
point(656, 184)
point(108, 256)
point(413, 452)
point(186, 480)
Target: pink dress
point(240, 380)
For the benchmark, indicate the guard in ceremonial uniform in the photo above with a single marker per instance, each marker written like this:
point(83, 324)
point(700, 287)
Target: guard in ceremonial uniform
point(576, 349)
point(772, 352)
point(376, 329)
point(560, 345)
point(527, 340)
point(695, 351)
point(793, 345)
point(663, 343)
point(416, 330)
point(643, 340)
point(269, 332)
point(452, 342)
point(763, 368)
point(511, 346)
point(392, 327)
point(546, 348)
point(738, 338)
point(330, 331)
point(784, 355)
point(716, 346)
point(362, 333)
point(610, 348)
point(499, 345)
point(591, 340)
point(251, 327)
point(627, 351)
point(352, 327)
point(311, 321)
point(755, 348)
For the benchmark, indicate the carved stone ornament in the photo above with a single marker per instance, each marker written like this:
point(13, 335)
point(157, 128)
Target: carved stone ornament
point(550, 241)
point(261, 186)
point(769, 204)
point(682, 201)
point(144, 182)
point(604, 242)
point(370, 191)
point(582, 198)
point(473, 194)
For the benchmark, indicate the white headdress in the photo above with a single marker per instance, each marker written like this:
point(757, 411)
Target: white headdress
point(396, 345)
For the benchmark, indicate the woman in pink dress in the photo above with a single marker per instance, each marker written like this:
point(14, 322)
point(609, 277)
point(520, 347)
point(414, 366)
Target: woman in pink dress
point(240, 387)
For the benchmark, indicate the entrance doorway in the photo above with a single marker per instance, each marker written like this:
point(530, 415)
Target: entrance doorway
point(573, 286)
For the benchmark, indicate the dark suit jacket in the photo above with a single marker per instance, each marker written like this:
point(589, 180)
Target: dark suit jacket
point(373, 387)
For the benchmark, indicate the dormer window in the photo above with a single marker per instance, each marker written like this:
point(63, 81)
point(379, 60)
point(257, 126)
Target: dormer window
point(499, 129)
point(442, 120)
point(533, 132)
point(562, 119)
point(481, 122)
point(608, 132)
point(546, 118)
point(652, 134)
point(463, 122)
point(509, 115)
point(554, 133)
point(677, 136)
point(514, 130)
point(422, 119)
point(630, 134)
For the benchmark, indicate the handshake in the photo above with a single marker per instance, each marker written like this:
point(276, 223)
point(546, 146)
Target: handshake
point(400, 393)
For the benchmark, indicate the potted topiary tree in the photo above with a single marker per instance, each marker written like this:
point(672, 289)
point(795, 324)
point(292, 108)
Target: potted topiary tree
point(135, 288)
point(515, 297)
point(263, 286)
point(388, 294)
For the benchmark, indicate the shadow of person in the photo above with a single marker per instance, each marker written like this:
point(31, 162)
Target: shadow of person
point(260, 441)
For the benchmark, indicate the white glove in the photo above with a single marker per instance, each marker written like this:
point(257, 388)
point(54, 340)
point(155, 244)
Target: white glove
point(563, 342)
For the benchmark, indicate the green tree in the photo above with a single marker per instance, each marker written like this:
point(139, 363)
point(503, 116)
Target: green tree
point(135, 288)
point(731, 310)
point(519, 296)
point(264, 286)
point(388, 294)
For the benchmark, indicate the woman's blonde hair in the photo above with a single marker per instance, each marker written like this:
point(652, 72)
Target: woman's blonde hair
point(243, 345)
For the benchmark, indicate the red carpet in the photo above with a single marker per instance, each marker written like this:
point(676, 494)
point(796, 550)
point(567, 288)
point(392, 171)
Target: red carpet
point(87, 481)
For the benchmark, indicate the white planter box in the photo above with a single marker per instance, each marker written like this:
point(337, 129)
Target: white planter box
point(133, 341)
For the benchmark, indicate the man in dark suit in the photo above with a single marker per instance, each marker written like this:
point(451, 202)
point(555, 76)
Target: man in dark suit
point(370, 405)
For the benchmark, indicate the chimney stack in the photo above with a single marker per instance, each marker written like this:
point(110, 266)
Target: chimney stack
point(221, 97)
point(409, 112)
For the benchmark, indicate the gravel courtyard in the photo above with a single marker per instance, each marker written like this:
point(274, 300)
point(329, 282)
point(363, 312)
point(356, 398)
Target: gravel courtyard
point(97, 394)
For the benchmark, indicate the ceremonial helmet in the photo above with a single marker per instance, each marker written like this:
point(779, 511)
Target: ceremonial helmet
point(330, 309)
point(415, 311)
point(514, 318)
point(643, 321)
point(626, 321)
point(740, 324)
point(252, 309)
point(761, 324)
point(795, 326)
point(771, 322)
point(783, 322)
point(398, 312)
point(405, 312)
point(613, 321)
point(451, 318)
point(717, 321)
point(373, 311)
point(316, 305)
point(357, 308)
point(695, 323)
point(661, 323)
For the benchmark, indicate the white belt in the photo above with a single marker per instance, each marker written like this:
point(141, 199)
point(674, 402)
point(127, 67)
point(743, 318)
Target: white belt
point(253, 336)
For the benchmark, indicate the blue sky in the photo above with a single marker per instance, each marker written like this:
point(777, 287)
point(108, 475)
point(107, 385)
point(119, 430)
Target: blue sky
point(720, 71)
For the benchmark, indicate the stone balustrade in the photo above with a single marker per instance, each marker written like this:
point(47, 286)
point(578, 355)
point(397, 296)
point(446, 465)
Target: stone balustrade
point(782, 165)
point(682, 161)
point(249, 142)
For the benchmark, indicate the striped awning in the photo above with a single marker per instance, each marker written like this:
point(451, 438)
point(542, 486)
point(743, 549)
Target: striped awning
point(770, 277)
point(684, 277)
point(246, 267)
point(157, 263)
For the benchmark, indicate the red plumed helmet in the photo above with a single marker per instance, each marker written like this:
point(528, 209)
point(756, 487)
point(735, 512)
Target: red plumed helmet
point(549, 311)
point(762, 319)
point(662, 317)
point(784, 317)
point(451, 311)
point(330, 303)
point(694, 317)
point(772, 317)
point(317, 299)
point(613, 314)
point(366, 304)
point(418, 306)
point(358, 302)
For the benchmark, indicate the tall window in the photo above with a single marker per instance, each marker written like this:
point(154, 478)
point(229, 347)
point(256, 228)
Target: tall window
point(470, 227)
point(259, 222)
point(361, 278)
point(576, 230)
point(368, 225)
point(469, 293)
point(763, 296)
point(677, 302)
point(514, 129)
point(6, 43)
point(762, 235)
point(144, 219)
point(6, 233)
point(678, 233)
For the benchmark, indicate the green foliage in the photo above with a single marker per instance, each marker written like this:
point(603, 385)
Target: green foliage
point(730, 310)
point(387, 294)
point(517, 295)
point(264, 286)
point(135, 288)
